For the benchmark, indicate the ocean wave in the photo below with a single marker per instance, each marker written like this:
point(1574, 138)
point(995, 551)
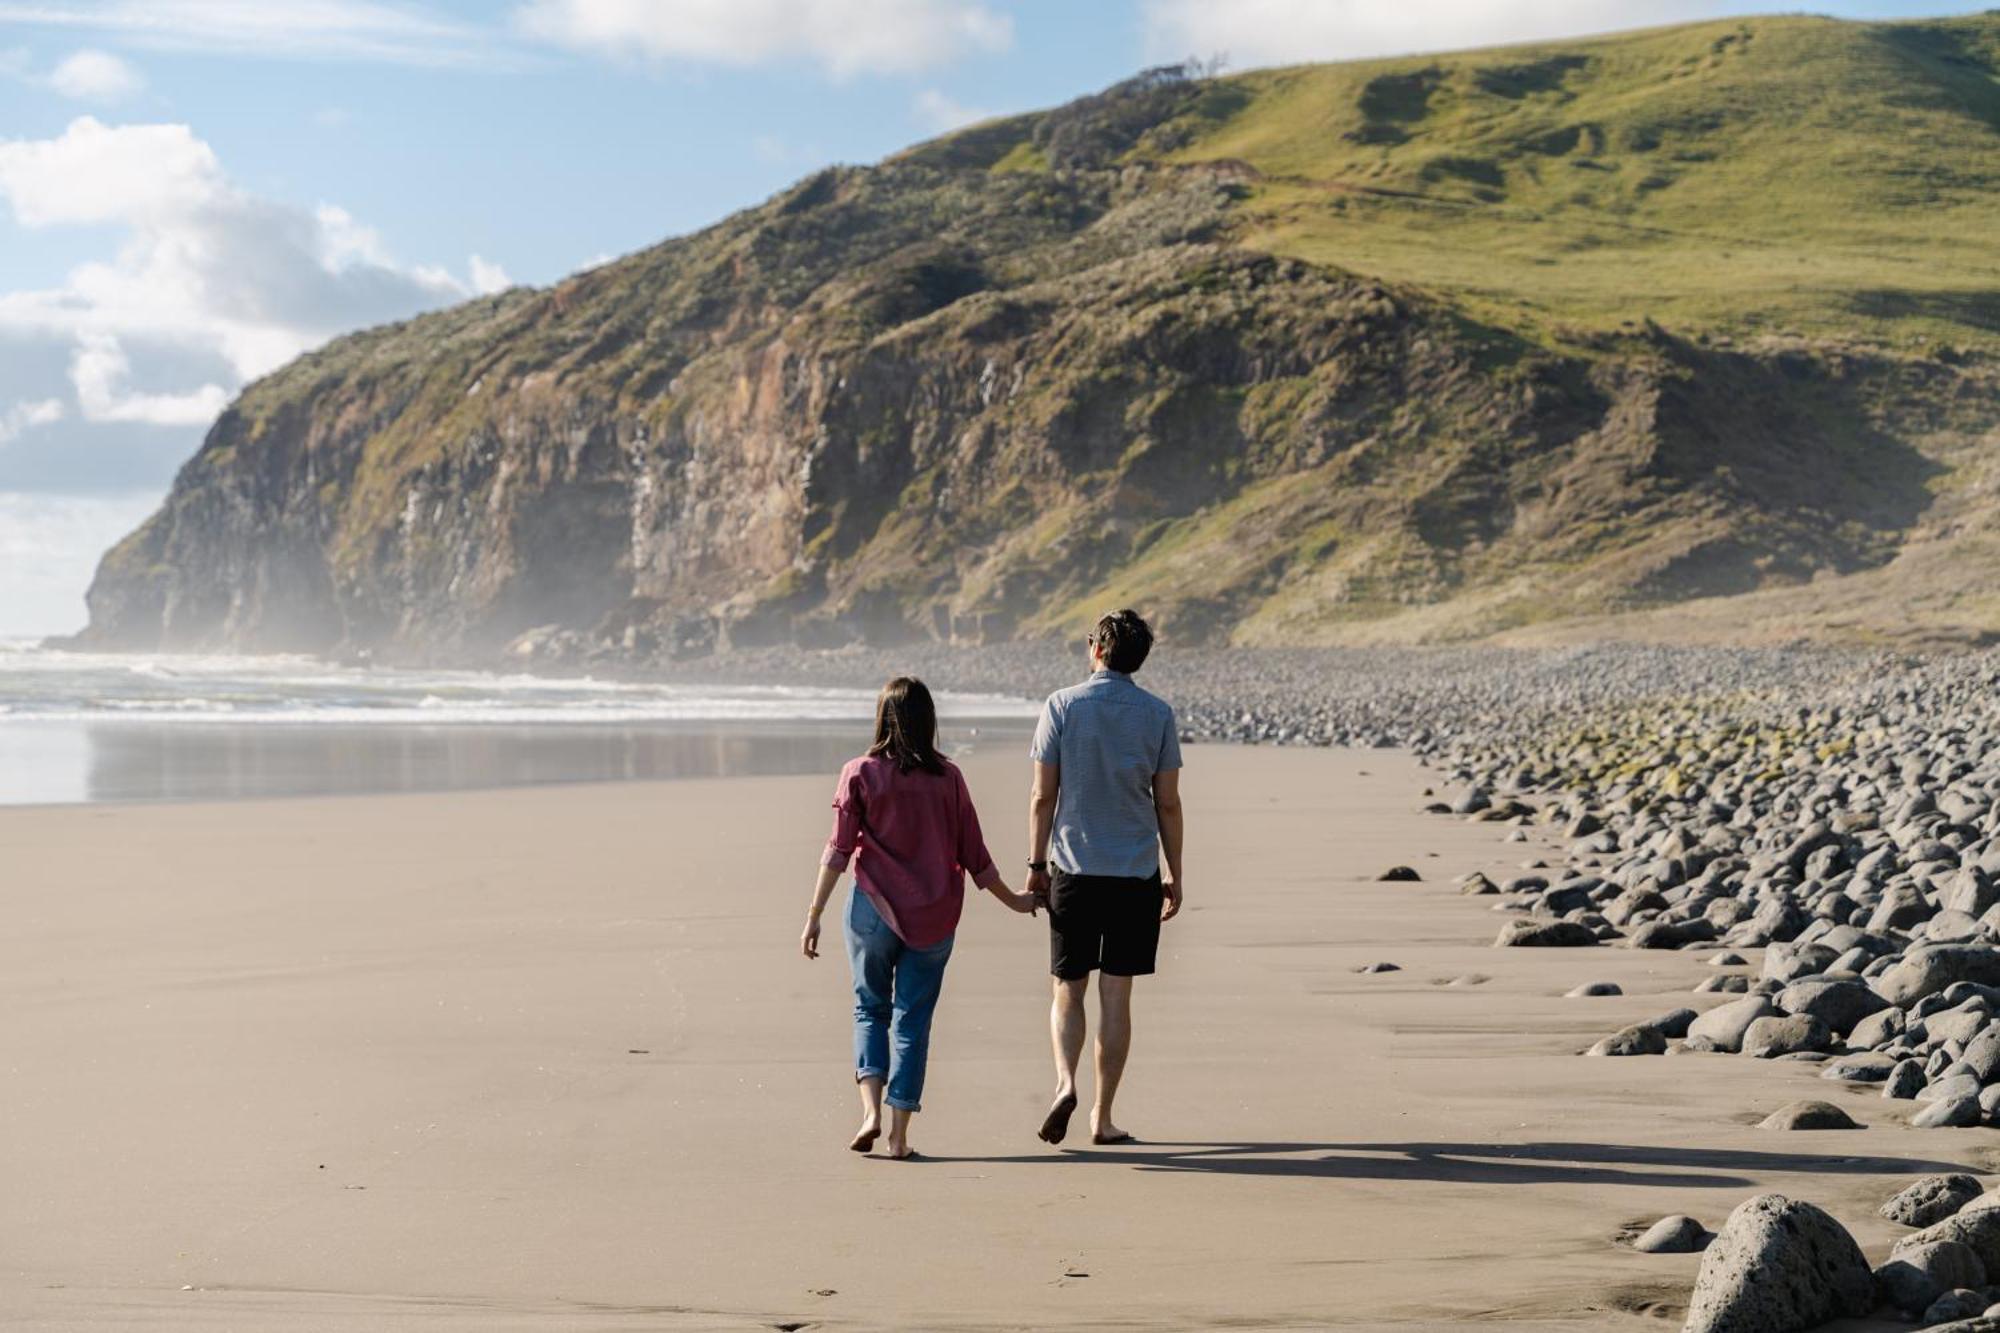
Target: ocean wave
point(39, 685)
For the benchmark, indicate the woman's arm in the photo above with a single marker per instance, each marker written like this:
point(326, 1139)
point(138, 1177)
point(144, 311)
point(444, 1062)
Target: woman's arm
point(840, 844)
point(809, 942)
point(975, 860)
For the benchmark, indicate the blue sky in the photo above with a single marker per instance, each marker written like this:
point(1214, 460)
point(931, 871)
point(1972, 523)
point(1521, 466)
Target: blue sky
point(193, 191)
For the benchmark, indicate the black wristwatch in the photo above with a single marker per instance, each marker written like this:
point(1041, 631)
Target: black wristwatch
point(1038, 865)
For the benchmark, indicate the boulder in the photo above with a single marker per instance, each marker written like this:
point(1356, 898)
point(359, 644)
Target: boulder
point(1905, 1081)
point(1971, 1225)
point(1808, 1114)
point(1525, 934)
point(1931, 1199)
point(1725, 1024)
point(1672, 1235)
point(1674, 1023)
point(1639, 1039)
point(1673, 934)
point(1928, 969)
point(1960, 1111)
point(1913, 1279)
point(1784, 1034)
point(1841, 1005)
point(1779, 1266)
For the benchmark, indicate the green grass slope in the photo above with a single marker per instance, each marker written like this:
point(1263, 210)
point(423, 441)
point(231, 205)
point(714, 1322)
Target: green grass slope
point(1761, 175)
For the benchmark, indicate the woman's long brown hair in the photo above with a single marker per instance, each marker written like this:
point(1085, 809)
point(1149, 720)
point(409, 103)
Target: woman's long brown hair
point(906, 726)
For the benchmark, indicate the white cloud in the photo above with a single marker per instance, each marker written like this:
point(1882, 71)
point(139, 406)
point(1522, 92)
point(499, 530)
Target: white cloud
point(940, 112)
point(303, 29)
point(207, 274)
point(844, 37)
point(49, 545)
point(96, 76)
point(26, 416)
point(1274, 32)
point(488, 277)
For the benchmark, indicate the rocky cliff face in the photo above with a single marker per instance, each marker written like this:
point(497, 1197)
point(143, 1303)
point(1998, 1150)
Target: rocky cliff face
point(990, 388)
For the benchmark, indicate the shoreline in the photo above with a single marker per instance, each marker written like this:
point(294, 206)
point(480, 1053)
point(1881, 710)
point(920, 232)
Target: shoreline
point(438, 998)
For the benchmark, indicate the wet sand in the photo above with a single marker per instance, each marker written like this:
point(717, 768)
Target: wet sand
point(548, 1059)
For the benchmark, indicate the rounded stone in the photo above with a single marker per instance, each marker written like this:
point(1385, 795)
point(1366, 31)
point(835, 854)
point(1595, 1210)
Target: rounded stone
point(1779, 1265)
point(1808, 1114)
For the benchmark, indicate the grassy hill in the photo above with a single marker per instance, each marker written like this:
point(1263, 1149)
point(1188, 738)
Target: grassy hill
point(1769, 175)
point(1496, 342)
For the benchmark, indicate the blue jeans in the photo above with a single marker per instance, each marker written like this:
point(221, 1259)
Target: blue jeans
point(895, 993)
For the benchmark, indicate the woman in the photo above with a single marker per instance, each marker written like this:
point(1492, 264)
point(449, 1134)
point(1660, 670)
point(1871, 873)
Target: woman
point(902, 814)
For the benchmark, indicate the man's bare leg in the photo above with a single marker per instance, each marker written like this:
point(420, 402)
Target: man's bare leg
point(1114, 1043)
point(1067, 1027)
point(871, 1114)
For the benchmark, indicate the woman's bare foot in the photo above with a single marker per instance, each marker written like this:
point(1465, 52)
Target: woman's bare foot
point(864, 1138)
point(898, 1150)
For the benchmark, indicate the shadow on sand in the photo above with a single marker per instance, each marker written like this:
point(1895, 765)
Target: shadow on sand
point(1483, 1163)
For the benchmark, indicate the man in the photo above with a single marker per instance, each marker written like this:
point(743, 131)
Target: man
point(1106, 805)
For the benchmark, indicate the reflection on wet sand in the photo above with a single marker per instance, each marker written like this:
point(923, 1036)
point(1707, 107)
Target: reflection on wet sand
point(135, 762)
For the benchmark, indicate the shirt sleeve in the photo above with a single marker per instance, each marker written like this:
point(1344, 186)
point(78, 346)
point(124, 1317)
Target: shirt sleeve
point(973, 858)
point(1046, 748)
point(846, 833)
point(1170, 745)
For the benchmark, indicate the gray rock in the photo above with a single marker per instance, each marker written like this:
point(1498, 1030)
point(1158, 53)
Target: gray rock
point(1913, 1279)
point(1955, 1112)
point(1931, 1199)
point(1971, 1225)
point(1672, 934)
point(1591, 988)
point(1638, 1039)
point(1674, 1023)
point(1785, 1034)
point(1726, 1024)
point(1678, 1234)
point(1526, 934)
point(1905, 1081)
point(1727, 985)
point(1866, 1067)
point(1878, 1029)
point(1930, 968)
point(1399, 875)
point(1953, 1306)
point(1841, 1005)
point(1808, 1114)
point(1982, 1055)
point(1375, 968)
point(1779, 1266)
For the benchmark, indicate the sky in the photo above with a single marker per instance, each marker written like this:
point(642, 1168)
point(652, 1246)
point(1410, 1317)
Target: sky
point(192, 192)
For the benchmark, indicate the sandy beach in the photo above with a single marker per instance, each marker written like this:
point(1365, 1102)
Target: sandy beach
point(548, 1059)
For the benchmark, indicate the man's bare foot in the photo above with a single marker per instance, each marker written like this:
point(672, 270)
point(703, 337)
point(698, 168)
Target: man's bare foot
point(864, 1138)
point(1103, 1132)
point(899, 1151)
point(1055, 1126)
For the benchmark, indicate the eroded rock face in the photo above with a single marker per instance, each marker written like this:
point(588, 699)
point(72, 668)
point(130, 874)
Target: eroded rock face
point(1931, 1200)
point(1779, 1266)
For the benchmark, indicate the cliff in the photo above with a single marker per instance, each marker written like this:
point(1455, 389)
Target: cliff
point(1422, 349)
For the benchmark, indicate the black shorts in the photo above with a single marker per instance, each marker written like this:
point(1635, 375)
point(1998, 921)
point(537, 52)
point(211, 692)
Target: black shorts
point(1107, 922)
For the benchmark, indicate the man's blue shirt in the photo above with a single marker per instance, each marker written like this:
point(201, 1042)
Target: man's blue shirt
point(1108, 737)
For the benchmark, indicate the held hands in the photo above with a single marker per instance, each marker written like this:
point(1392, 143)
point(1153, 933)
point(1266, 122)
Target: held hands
point(1022, 901)
point(1038, 885)
point(809, 941)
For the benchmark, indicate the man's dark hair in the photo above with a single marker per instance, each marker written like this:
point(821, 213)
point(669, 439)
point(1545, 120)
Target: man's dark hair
point(1125, 638)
